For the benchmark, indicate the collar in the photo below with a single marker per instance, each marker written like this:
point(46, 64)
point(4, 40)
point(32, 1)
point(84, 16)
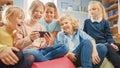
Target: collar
point(99, 20)
point(74, 33)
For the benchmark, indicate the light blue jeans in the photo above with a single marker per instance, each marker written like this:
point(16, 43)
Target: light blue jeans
point(52, 52)
point(84, 51)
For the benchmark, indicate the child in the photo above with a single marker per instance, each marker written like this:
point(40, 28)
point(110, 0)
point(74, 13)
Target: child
point(98, 27)
point(26, 32)
point(82, 48)
point(49, 21)
point(12, 57)
point(27, 37)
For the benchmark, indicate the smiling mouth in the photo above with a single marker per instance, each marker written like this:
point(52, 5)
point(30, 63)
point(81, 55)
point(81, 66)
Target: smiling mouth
point(37, 17)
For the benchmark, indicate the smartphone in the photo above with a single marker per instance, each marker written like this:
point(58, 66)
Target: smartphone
point(42, 33)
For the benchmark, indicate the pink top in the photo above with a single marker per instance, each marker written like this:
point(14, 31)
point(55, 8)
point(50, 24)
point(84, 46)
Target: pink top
point(21, 36)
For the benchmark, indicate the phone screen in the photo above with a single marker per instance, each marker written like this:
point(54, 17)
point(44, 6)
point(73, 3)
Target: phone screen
point(42, 33)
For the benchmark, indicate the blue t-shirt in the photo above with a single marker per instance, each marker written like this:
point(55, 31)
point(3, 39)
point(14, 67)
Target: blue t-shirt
point(53, 26)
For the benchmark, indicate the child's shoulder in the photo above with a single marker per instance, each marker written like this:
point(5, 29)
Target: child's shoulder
point(79, 30)
point(55, 20)
point(88, 20)
point(3, 32)
point(105, 21)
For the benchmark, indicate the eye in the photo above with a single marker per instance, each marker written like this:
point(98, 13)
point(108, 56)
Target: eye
point(93, 8)
point(61, 24)
point(41, 12)
point(89, 9)
point(47, 12)
point(36, 11)
point(20, 17)
point(66, 22)
point(51, 12)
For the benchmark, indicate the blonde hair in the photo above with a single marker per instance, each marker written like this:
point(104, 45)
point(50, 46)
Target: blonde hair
point(72, 19)
point(51, 4)
point(11, 11)
point(104, 15)
point(34, 5)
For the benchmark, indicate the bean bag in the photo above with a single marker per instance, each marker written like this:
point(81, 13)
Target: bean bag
point(106, 64)
point(63, 62)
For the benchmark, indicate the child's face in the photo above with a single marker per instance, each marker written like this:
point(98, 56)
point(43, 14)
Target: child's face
point(37, 14)
point(66, 25)
point(15, 21)
point(49, 14)
point(93, 10)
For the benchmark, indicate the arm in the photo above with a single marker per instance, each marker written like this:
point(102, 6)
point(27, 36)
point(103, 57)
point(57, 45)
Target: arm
point(21, 41)
point(57, 29)
point(70, 55)
point(84, 27)
point(2, 47)
point(54, 33)
point(7, 55)
point(49, 39)
point(22, 38)
point(108, 33)
point(109, 36)
point(95, 56)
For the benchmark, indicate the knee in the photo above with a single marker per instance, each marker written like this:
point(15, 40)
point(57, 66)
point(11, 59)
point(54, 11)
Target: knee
point(110, 48)
point(87, 43)
point(29, 58)
point(31, 51)
point(64, 48)
point(102, 48)
point(19, 54)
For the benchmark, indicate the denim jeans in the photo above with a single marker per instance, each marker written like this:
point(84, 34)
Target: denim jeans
point(52, 52)
point(84, 51)
point(102, 52)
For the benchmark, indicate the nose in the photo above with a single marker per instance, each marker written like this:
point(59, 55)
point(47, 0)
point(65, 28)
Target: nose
point(49, 13)
point(39, 13)
point(63, 25)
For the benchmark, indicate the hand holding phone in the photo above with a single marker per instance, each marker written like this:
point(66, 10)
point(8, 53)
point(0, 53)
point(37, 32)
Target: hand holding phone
point(42, 33)
point(34, 35)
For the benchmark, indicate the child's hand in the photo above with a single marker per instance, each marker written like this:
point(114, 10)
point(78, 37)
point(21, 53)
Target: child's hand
point(43, 43)
point(115, 47)
point(71, 56)
point(8, 57)
point(49, 39)
point(95, 57)
point(34, 35)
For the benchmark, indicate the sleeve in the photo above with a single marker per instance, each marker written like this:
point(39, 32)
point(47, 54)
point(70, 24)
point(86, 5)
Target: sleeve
point(61, 38)
point(20, 40)
point(84, 27)
point(57, 26)
point(108, 33)
point(42, 28)
point(84, 35)
point(2, 47)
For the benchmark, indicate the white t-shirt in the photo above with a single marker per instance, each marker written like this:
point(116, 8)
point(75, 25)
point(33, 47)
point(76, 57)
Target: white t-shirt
point(71, 44)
